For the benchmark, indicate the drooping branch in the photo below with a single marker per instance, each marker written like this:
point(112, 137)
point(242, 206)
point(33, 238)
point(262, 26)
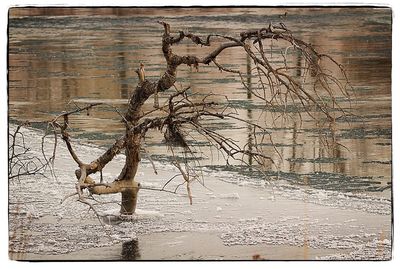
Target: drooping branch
point(276, 78)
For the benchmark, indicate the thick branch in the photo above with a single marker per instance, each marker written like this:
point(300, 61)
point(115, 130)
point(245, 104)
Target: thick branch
point(107, 156)
point(114, 187)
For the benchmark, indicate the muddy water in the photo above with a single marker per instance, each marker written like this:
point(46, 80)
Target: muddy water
point(59, 55)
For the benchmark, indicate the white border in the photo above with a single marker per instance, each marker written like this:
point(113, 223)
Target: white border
point(6, 263)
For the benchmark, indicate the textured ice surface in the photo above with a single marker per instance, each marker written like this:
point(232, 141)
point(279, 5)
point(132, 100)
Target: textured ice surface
point(357, 201)
point(356, 226)
point(230, 195)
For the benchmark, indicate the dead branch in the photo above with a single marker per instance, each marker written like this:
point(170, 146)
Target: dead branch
point(22, 162)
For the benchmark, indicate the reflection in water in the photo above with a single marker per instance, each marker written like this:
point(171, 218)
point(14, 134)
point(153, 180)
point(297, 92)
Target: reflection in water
point(249, 111)
point(248, 71)
point(121, 65)
point(294, 147)
point(250, 142)
point(380, 246)
point(298, 63)
point(55, 59)
point(338, 167)
point(130, 250)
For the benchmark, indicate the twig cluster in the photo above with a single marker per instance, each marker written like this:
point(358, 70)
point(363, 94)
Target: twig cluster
point(22, 162)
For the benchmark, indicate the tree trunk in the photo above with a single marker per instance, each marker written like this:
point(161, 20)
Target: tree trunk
point(132, 151)
point(129, 196)
point(128, 203)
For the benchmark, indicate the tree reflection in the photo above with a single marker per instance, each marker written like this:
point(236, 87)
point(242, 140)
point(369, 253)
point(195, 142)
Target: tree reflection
point(121, 65)
point(130, 250)
point(249, 111)
point(294, 148)
point(338, 167)
point(248, 71)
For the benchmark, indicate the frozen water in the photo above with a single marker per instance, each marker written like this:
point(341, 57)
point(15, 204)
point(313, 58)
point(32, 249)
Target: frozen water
point(356, 226)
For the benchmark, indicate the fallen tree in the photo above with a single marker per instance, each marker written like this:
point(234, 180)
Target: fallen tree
point(314, 89)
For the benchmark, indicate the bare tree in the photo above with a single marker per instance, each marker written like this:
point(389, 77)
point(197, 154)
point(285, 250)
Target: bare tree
point(181, 113)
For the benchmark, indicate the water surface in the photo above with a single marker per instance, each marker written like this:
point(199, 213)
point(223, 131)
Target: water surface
point(315, 205)
point(59, 55)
